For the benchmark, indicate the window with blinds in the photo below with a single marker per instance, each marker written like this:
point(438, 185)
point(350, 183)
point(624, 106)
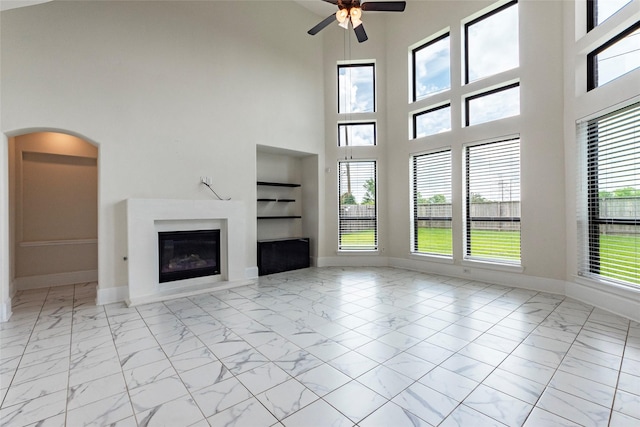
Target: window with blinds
point(357, 211)
point(609, 197)
point(492, 201)
point(432, 203)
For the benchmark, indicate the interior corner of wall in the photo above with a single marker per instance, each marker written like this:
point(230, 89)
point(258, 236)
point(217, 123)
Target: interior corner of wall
point(112, 295)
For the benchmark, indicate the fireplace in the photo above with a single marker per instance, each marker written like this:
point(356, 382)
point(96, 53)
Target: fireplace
point(188, 254)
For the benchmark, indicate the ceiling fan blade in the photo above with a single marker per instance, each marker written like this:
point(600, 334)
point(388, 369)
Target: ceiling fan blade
point(325, 22)
point(385, 6)
point(331, 1)
point(361, 33)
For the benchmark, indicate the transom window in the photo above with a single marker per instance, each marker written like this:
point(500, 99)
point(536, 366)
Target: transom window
point(492, 205)
point(493, 105)
point(615, 58)
point(432, 203)
point(356, 88)
point(432, 121)
point(599, 11)
point(431, 67)
point(356, 134)
point(609, 204)
point(358, 222)
point(492, 43)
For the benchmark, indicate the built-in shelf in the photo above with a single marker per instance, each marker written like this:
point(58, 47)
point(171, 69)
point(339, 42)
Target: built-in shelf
point(278, 184)
point(280, 217)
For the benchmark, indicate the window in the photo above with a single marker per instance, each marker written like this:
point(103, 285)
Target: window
point(432, 203)
point(493, 105)
point(492, 43)
point(358, 228)
point(599, 11)
point(431, 67)
point(492, 201)
point(618, 56)
point(432, 121)
point(356, 88)
point(356, 134)
point(609, 204)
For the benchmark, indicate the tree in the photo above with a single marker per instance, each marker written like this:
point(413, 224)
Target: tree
point(478, 198)
point(422, 200)
point(369, 197)
point(437, 199)
point(348, 199)
point(626, 192)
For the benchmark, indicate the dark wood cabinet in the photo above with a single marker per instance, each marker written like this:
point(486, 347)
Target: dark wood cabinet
point(278, 255)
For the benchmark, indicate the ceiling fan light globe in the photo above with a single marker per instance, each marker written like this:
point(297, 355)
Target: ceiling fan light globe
point(341, 15)
point(356, 13)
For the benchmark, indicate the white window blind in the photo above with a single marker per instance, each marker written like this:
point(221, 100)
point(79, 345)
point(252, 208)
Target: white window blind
point(432, 203)
point(609, 197)
point(358, 228)
point(493, 201)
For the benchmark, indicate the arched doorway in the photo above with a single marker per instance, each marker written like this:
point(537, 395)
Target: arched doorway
point(53, 210)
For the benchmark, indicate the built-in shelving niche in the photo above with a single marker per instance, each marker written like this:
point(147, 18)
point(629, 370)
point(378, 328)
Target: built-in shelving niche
point(287, 202)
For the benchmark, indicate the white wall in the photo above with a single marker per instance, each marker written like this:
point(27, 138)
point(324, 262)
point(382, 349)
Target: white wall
point(170, 91)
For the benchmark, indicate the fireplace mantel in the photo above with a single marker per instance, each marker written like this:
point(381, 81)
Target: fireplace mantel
point(146, 217)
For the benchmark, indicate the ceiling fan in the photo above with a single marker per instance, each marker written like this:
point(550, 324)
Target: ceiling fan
point(351, 10)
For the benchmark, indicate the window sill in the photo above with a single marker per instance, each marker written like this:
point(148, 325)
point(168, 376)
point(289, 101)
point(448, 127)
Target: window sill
point(357, 252)
point(431, 258)
point(489, 265)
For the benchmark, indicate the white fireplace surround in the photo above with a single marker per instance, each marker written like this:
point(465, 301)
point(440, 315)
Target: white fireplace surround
point(147, 217)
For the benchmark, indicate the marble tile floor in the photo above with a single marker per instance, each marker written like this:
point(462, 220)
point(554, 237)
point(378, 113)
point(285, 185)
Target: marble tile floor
point(320, 347)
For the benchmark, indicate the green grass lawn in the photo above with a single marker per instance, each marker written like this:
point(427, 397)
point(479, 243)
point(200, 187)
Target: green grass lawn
point(620, 255)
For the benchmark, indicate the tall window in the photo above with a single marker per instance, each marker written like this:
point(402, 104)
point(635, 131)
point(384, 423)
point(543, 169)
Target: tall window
point(492, 43)
point(358, 228)
point(432, 203)
point(609, 217)
point(431, 63)
point(599, 11)
point(356, 88)
point(493, 201)
point(616, 57)
point(356, 134)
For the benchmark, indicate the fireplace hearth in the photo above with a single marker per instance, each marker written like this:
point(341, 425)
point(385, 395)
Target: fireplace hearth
point(188, 254)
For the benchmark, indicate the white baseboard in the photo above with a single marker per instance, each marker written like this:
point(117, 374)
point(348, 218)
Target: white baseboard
point(5, 310)
point(353, 261)
point(251, 273)
point(112, 295)
point(59, 279)
point(620, 301)
point(505, 278)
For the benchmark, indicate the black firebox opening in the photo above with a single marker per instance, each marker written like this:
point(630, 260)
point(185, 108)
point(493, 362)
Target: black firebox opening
point(188, 254)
